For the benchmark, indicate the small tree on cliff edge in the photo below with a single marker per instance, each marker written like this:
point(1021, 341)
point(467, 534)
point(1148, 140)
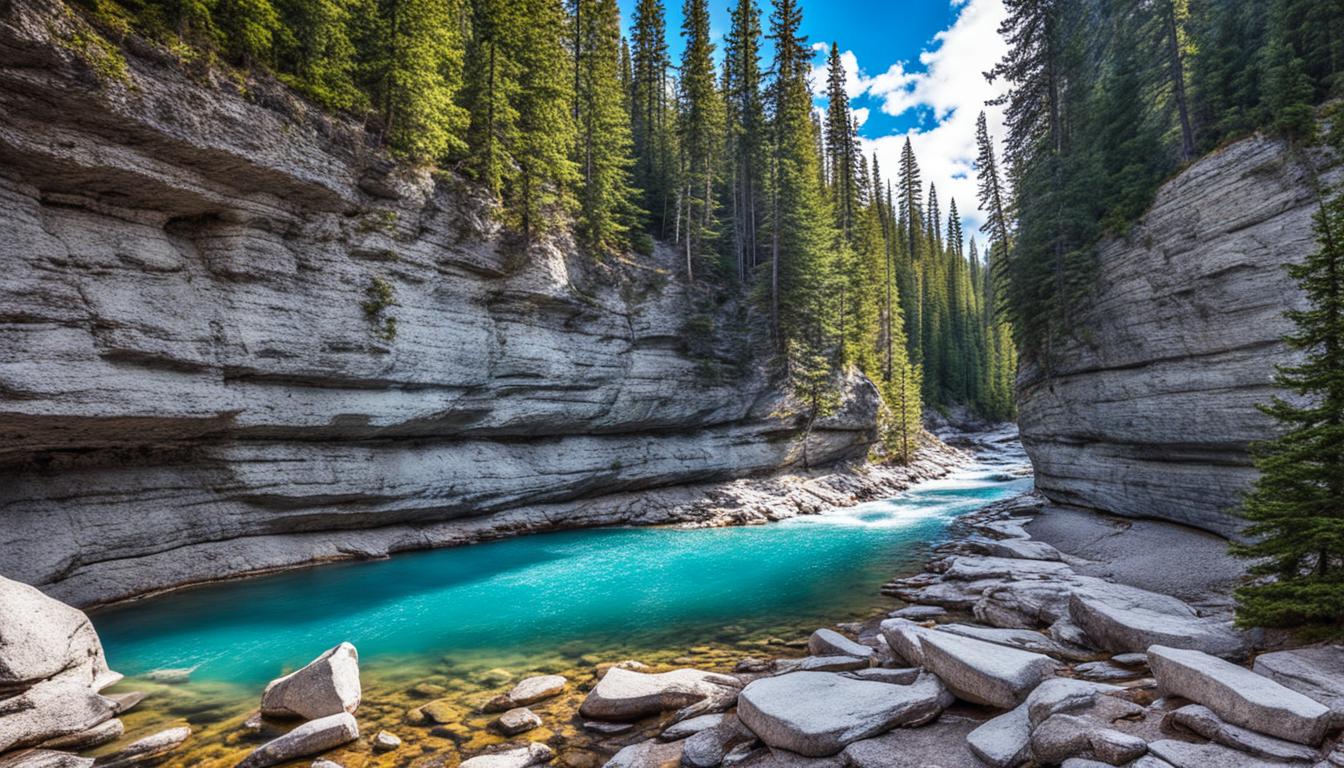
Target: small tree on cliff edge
point(1296, 508)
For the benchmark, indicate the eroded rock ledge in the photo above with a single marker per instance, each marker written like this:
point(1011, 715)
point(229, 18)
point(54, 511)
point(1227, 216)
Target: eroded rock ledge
point(190, 386)
point(1149, 407)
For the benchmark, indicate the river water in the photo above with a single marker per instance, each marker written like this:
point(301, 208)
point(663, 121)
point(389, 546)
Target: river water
point(461, 623)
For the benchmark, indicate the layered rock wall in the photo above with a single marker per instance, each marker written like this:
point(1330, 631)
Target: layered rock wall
point(192, 387)
point(1149, 407)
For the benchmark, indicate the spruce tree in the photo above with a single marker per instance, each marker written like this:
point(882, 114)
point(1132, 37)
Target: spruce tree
point(746, 128)
point(248, 29)
point(651, 123)
point(317, 49)
point(542, 186)
point(840, 145)
point(489, 93)
point(700, 125)
point(1296, 508)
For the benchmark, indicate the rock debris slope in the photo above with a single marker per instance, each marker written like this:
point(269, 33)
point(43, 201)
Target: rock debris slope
point(197, 373)
point(1147, 410)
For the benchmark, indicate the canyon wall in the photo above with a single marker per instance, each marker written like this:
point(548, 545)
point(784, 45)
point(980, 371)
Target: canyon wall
point(194, 384)
point(1149, 407)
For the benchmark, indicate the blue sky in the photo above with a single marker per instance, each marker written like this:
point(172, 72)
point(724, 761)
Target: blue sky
point(914, 70)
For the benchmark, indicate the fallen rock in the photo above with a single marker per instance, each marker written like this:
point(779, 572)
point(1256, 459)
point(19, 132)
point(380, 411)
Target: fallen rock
point(816, 714)
point(1062, 695)
point(1125, 619)
point(65, 705)
point(386, 742)
point(1061, 737)
point(516, 721)
point(43, 758)
point(976, 568)
point(984, 673)
point(310, 738)
point(828, 642)
point(1317, 673)
point(534, 689)
point(918, 612)
point(1238, 695)
point(1182, 754)
point(831, 664)
point(1022, 639)
point(1105, 671)
point(328, 685)
point(903, 636)
point(148, 749)
point(903, 676)
point(940, 743)
point(1024, 549)
point(1005, 741)
point(1130, 659)
point(622, 694)
point(645, 754)
point(1203, 721)
point(708, 747)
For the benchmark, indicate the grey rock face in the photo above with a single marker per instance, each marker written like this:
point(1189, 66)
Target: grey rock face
point(623, 694)
point(311, 738)
point(817, 714)
point(188, 369)
point(328, 685)
point(1150, 405)
point(1238, 695)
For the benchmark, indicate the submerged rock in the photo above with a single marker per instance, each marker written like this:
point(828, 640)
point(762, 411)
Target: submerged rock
point(386, 742)
point(1238, 695)
point(146, 750)
point(525, 756)
point(328, 685)
point(310, 738)
point(818, 713)
point(622, 694)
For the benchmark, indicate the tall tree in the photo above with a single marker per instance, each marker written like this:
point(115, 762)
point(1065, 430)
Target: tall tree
point(318, 50)
point(840, 145)
point(651, 125)
point(746, 129)
point(490, 92)
point(545, 132)
point(699, 131)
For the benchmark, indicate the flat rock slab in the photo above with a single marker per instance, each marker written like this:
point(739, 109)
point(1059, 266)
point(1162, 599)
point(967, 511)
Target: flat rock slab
point(1105, 671)
point(328, 685)
point(1024, 549)
point(645, 754)
point(984, 673)
point(817, 714)
point(517, 757)
point(685, 728)
point(312, 738)
point(1203, 721)
point(1238, 695)
point(1003, 742)
point(940, 743)
point(1317, 673)
point(535, 689)
point(623, 694)
point(1062, 694)
point(150, 749)
point(918, 612)
point(1182, 754)
point(832, 664)
point(1022, 639)
point(975, 568)
point(1126, 619)
point(903, 637)
point(828, 642)
point(904, 676)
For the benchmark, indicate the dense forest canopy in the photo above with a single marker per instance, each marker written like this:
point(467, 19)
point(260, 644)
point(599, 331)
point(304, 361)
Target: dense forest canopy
point(721, 154)
point(1109, 97)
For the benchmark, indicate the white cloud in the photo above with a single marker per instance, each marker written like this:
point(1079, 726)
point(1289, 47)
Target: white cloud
point(950, 88)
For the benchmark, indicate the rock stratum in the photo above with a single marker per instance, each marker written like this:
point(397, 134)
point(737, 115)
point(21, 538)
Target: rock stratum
point(191, 385)
point(1148, 408)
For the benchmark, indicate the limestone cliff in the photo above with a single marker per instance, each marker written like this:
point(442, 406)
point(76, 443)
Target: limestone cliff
point(191, 386)
point(1149, 408)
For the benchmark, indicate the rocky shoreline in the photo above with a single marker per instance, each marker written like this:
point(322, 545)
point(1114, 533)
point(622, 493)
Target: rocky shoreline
point(1011, 651)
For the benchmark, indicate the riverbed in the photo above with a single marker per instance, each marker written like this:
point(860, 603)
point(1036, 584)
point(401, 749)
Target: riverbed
point(461, 624)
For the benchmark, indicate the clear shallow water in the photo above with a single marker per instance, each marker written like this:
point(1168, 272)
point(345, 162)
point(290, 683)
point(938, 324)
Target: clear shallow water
point(580, 592)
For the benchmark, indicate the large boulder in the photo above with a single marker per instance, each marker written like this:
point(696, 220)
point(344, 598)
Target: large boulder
point(818, 713)
point(1317, 673)
point(1238, 695)
point(902, 636)
point(1125, 619)
point(623, 694)
point(329, 685)
point(311, 738)
point(1022, 639)
point(984, 673)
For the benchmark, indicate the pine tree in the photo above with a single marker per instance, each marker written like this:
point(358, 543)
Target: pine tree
point(1296, 508)
point(746, 132)
point(607, 208)
point(699, 126)
point(651, 123)
point(545, 132)
point(840, 145)
point(489, 93)
point(317, 49)
point(248, 29)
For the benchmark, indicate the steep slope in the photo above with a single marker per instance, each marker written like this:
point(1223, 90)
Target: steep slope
point(1149, 408)
point(191, 386)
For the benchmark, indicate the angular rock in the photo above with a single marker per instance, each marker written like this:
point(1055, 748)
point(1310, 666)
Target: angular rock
point(1317, 673)
point(883, 675)
point(645, 754)
point(535, 689)
point(903, 635)
point(310, 738)
point(918, 612)
point(940, 743)
point(708, 748)
point(1126, 619)
point(386, 742)
point(1131, 659)
point(1183, 754)
point(328, 685)
point(516, 721)
point(1022, 639)
point(1062, 737)
point(1005, 741)
point(146, 750)
point(1238, 695)
point(124, 702)
point(1202, 720)
point(816, 714)
point(828, 642)
point(1062, 695)
point(625, 695)
point(525, 756)
point(1104, 671)
point(975, 568)
point(685, 728)
point(43, 758)
point(832, 664)
point(606, 728)
point(984, 673)
point(1024, 549)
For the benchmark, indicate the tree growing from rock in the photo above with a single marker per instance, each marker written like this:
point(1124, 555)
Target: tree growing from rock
point(1296, 509)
